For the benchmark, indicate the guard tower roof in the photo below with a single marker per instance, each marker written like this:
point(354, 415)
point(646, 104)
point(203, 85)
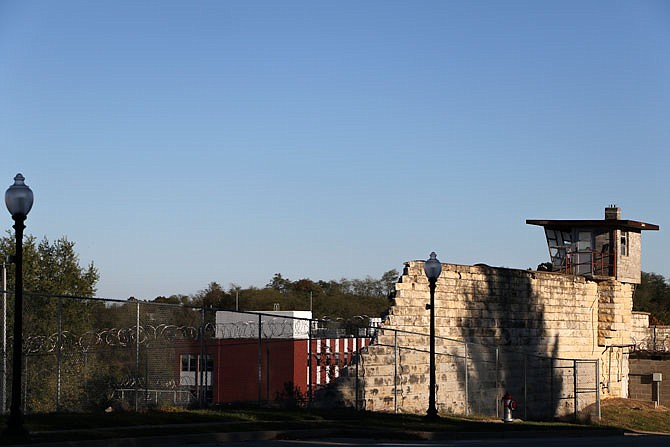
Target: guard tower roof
point(630, 225)
point(610, 247)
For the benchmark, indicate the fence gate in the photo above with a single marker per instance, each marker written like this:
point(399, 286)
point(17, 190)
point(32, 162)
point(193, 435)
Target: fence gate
point(586, 386)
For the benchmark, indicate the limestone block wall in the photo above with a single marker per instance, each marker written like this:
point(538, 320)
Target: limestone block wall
point(639, 327)
point(615, 304)
point(615, 325)
point(497, 306)
point(649, 338)
point(498, 329)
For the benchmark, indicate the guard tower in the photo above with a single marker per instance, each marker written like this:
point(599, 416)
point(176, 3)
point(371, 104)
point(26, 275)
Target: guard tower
point(607, 248)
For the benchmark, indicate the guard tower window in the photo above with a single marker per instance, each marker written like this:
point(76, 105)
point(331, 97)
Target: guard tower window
point(624, 243)
point(559, 242)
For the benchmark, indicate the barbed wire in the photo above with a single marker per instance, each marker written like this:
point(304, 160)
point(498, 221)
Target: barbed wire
point(112, 337)
point(279, 327)
point(653, 343)
point(143, 383)
point(161, 334)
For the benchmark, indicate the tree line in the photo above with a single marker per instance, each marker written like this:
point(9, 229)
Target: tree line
point(332, 299)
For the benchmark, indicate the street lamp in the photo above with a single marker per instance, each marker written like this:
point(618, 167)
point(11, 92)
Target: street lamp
point(433, 268)
point(19, 201)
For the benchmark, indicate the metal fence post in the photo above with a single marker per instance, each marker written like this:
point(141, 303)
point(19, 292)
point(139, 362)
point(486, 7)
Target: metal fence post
point(574, 385)
point(137, 358)
point(86, 389)
point(395, 371)
point(497, 397)
point(25, 383)
point(551, 387)
point(525, 386)
point(260, 357)
point(309, 364)
point(358, 359)
point(146, 375)
point(598, 389)
point(467, 392)
point(202, 362)
point(267, 370)
point(59, 351)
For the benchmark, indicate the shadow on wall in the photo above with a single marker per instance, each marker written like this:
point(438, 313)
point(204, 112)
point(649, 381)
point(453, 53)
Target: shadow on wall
point(493, 336)
point(509, 349)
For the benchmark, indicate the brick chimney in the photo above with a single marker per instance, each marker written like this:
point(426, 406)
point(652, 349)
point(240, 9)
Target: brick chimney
point(612, 212)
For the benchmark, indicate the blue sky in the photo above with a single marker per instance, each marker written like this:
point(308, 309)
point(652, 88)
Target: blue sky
point(180, 142)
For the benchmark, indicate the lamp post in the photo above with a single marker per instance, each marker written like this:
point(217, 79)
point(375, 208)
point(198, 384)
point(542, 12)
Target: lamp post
point(3, 384)
point(19, 201)
point(432, 267)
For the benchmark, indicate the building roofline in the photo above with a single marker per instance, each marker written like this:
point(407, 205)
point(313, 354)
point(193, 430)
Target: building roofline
point(606, 223)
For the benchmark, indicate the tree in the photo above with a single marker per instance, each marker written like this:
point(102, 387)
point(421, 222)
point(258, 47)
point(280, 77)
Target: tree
point(52, 269)
point(653, 296)
point(279, 283)
point(306, 286)
point(173, 299)
point(212, 296)
point(342, 299)
point(388, 281)
point(52, 273)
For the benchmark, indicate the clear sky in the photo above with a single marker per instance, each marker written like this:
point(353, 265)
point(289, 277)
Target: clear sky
point(183, 142)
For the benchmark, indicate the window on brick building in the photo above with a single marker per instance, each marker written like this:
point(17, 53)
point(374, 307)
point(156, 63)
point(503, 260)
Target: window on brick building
point(196, 375)
point(189, 363)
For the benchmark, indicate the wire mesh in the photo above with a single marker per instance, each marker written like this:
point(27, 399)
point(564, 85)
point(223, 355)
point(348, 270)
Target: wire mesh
point(92, 354)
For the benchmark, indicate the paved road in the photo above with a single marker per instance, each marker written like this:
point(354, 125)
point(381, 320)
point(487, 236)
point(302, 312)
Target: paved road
point(267, 439)
point(606, 441)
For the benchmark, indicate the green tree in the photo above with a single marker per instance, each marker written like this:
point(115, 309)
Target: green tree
point(52, 273)
point(279, 283)
point(306, 286)
point(388, 281)
point(342, 299)
point(212, 296)
point(653, 296)
point(52, 269)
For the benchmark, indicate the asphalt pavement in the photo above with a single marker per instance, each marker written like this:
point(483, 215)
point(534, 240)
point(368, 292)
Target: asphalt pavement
point(330, 438)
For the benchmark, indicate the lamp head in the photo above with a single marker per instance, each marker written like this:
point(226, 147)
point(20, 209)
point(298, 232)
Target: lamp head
point(19, 198)
point(432, 267)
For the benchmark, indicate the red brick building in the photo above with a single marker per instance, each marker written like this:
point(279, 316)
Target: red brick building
point(236, 366)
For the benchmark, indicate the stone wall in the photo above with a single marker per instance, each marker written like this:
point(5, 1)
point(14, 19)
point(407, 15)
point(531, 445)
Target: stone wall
point(649, 338)
point(499, 330)
point(639, 327)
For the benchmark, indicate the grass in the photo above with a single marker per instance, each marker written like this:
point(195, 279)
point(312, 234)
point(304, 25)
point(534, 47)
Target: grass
point(635, 416)
point(616, 413)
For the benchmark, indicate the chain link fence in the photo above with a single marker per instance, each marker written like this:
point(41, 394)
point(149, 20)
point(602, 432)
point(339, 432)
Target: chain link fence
point(473, 378)
point(92, 354)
